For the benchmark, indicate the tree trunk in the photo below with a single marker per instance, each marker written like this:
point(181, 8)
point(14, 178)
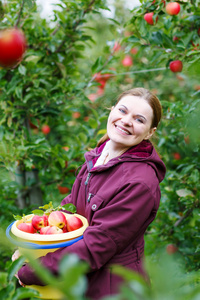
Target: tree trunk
point(20, 179)
point(35, 193)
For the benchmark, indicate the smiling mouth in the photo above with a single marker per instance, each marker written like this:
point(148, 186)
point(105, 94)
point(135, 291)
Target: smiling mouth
point(124, 131)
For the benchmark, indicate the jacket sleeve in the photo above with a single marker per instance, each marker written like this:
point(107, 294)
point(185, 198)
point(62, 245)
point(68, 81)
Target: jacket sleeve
point(119, 223)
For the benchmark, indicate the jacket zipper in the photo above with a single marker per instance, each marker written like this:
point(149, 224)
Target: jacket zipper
point(86, 183)
point(87, 179)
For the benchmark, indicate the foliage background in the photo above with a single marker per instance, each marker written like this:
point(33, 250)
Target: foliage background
point(54, 83)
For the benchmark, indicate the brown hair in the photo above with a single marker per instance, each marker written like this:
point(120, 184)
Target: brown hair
point(151, 99)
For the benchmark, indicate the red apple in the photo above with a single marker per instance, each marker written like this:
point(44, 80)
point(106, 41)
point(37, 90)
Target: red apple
point(13, 47)
point(26, 227)
point(116, 47)
point(39, 221)
point(171, 249)
point(175, 38)
point(134, 50)
point(173, 8)
point(33, 126)
point(187, 139)
point(176, 66)
point(57, 218)
point(54, 230)
point(65, 229)
point(177, 156)
point(149, 18)
point(66, 148)
point(92, 97)
point(74, 223)
point(63, 189)
point(127, 61)
point(76, 114)
point(100, 91)
point(86, 118)
point(43, 230)
point(46, 129)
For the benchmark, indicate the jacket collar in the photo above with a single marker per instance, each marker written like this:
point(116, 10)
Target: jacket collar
point(143, 152)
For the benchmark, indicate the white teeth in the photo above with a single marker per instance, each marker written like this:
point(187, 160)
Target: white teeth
point(122, 130)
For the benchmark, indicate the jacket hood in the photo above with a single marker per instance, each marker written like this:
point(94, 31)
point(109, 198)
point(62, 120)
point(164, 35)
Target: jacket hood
point(143, 152)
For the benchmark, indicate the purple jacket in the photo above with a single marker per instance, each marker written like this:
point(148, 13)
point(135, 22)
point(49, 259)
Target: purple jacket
point(119, 199)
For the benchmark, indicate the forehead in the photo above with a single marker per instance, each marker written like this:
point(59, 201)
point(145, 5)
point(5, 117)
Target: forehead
point(135, 103)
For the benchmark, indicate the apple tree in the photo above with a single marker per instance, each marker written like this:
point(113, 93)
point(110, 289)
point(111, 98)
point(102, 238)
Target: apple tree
point(44, 126)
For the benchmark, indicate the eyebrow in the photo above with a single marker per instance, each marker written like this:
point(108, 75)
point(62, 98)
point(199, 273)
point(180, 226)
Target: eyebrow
point(137, 115)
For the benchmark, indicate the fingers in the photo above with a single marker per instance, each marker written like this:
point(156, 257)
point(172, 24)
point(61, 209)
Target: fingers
point(15, 255)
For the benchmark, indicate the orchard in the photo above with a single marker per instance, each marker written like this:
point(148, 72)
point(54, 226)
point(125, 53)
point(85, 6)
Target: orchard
point(59, 76)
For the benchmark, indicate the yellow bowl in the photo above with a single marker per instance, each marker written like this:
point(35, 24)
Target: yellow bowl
point(39, 245)
point(49, 239)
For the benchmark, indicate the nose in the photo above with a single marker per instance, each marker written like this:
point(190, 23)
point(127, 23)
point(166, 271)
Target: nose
point(126, 120)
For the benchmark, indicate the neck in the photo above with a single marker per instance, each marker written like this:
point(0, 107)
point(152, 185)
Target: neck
point(115, 152)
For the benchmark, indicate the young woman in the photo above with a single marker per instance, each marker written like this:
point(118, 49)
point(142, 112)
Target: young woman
point(117, 190)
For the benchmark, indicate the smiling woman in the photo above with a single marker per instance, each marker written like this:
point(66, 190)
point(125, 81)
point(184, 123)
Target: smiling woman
point(117, 190)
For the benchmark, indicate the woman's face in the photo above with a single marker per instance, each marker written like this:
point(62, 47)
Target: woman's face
point(130, 122)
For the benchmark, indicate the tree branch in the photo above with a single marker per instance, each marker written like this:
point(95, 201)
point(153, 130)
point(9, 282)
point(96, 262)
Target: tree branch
point(188, 212)
point(76, 24)
point(20, 13)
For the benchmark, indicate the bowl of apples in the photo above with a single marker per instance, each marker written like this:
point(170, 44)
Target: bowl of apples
point(45, 231)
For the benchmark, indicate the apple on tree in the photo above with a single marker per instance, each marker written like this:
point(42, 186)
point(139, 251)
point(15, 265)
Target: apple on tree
point(177, 155)
point(46, 129)
point(171, 249)
point(13, 47)
point(116, 47)
point(63, 189)
point(127, 61)
point(176, 66)
point(173, 8)
point(76, 114)
point(149, 18)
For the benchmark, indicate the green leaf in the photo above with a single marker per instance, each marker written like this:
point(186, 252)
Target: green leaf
point(38, 212)
point(93, 123)
point(184, 193)
point(22, 70)
point(97, 65)
point(32, 58)
point(102, 132)
point(83, 137)
point(7, 292)
point(17, 217)
point(24, 293)
point(30, 3)
point(62, 69)
point(15, 266)
point(3, 279)
point(69, 207)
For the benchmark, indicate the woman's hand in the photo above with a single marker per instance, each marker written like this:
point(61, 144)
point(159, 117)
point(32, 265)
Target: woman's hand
point(15, 256)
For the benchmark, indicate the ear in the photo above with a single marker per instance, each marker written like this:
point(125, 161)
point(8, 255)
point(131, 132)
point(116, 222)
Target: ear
point(151, 132)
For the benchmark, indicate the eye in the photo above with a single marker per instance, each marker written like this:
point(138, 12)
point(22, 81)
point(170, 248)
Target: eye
point(139, 120)
point(122, 110)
